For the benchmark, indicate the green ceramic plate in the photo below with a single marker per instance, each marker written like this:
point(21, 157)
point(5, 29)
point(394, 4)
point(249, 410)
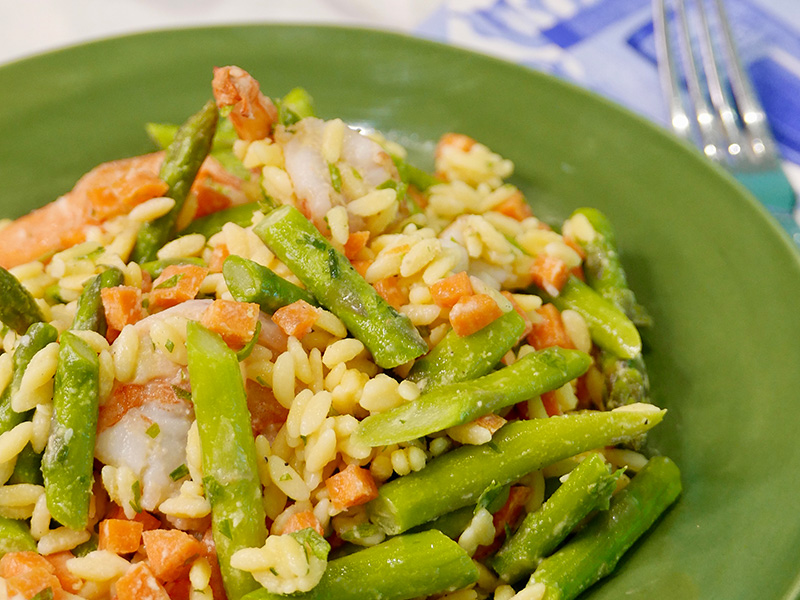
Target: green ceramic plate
point(720, 278)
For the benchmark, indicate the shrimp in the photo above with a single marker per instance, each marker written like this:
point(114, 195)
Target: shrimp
point(107, 191)
point(144, 424)
point(252, 113)
point(362, 165)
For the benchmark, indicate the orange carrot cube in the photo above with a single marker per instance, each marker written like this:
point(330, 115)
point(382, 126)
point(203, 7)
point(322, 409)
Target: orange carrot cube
point(355, 243)
point(515, 207)
point(217, 258)
point(388, 288)
point(446, 292)
point(296, 318)
point(361, 266)
point(139, 583)
point(550, 273)
point(234, 321)
point(302, 520)
point(176, 284)
point(28, 573)
point(473, 313)
point(122, 305)
point(170, 552)
point(549, 330)
point(120, 536)
point(352, 487)
point(69, 582)
point(551, 405)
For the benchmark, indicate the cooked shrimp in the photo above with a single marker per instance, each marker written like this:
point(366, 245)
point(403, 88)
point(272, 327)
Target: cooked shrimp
point(109, 190)
point(252, 113)
point(361, 163)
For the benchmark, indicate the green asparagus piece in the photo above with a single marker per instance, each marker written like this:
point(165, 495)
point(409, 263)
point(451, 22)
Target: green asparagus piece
point(182, 161)
point(596, 550)
point(332, 280)
point(588, 487)
point(626, 380)
point(294, 106)
point(454, 523)
point(155, 267)
point(90, 313)
point(412, 175)
point(604, 271)
point(408, 566)
point(212, 224)
point(28, 466)
point(458, 403)
point(609, 327)
point(249, 281)
point(457, 358)
point(459, 477)
point(15, 536)
point(18, 309)
point(230, 469)
point(68, 459)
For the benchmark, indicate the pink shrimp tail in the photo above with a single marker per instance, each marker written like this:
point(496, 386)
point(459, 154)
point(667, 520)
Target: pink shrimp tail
point(252, 113)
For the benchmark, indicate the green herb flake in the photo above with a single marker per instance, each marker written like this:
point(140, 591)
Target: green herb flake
point(179, 473)
point(333, 263)
point(313, 541)
point(286, 477)
point(136, 488)
point(170, 346)
point(336, 177)
point(181, 393)
point(169, 283)
point(153, 430)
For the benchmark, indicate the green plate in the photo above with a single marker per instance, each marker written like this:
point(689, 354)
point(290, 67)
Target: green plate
point(719, 276)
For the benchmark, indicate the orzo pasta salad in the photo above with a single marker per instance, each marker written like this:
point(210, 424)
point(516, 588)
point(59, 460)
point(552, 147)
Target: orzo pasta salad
point(275, 358)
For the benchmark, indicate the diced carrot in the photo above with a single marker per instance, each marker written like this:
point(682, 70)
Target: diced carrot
point(148, 521)
point(217, 258)
point(234, 321)
point(139, 583)
point(216, 188)
point(511, 511)
point(267, 415)
point(28, 573)
point(210, 552)
point(473, 313)
point(389, 289)
point(120, 536)
point(170, 552)
point(550, 273)
point(122, 305)
point(302, 520)
point(446, 292)
point(551, 405)
point(454, 140)
point(296, 318)
point(579, 250)
point(355, 243)
point(69, 582)
point(525, 317)
point(180, 589)
point(176, 284)
point(490, 422)
point(549, 330)
point(578, 272)
point(515, 207)
point(361, 266)
point(351, 487)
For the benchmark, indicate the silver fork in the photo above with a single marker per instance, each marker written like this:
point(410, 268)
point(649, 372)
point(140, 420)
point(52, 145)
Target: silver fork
point(712, 103)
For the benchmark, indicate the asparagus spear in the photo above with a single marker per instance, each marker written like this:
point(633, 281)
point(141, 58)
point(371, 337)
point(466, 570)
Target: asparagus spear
point(90, 313)
point(596, 550)
point(230, 469)
point(18, 309)
point(460, 403)
point(458, 478)
point(401, 568)
point(249, 281)
point(588, 487)
point(332, 280)
point(603, 268)
point(181, 163)
point(15, 536)
point(28, 466)
point(609, 327)
point(458, 358)
point(68, 459)
point(294, 106)
point(454, 523)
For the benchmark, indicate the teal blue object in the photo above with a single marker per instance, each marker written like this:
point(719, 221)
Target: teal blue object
point(771, 188)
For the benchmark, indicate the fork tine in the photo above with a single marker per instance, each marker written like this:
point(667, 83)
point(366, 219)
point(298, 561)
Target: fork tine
point(668, 72)
point(761, 143)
